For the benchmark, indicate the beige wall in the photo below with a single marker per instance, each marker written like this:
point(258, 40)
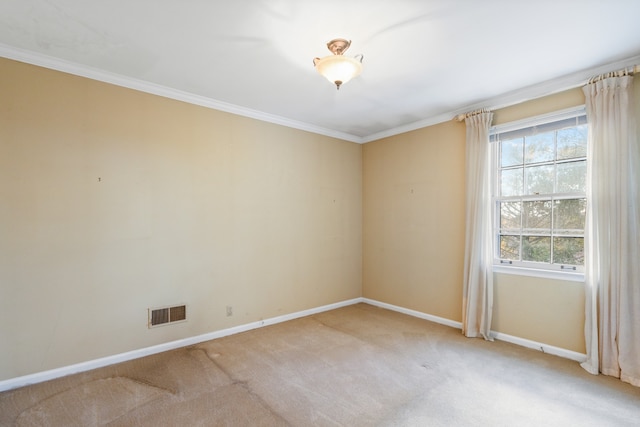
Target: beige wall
point(544, 310)
point(413, 233)
point(413, 227)
point(113, 201)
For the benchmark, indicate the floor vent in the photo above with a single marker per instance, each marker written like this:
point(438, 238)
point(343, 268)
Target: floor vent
point(166, 315)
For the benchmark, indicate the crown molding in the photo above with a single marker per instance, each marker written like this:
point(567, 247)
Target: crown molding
point(76, 69)
point(549, 87)
point(508, 99)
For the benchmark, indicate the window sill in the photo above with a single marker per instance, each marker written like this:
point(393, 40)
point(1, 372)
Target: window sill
point(545, 274)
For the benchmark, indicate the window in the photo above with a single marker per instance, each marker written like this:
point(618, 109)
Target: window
point(540, 192)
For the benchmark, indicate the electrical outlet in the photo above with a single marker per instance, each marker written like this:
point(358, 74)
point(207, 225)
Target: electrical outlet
point(229, 311)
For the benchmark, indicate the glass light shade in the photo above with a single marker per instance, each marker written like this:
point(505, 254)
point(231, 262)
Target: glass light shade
point(338, 69)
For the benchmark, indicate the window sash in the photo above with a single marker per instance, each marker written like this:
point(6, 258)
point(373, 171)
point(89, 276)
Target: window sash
point(541, 124)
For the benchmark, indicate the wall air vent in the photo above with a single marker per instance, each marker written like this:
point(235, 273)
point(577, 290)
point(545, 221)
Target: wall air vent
point(166, 315)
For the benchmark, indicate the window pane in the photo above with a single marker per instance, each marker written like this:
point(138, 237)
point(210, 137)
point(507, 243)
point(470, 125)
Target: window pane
point(511, 152)
point(569, 215)
point(568, 250)
point(537, 216)
point(510, 213)
point(572, 142)
point(511, 182)
point(539, 179)
point(510, 247)
point(536, 248)
point(572, 177)
point(539, 148)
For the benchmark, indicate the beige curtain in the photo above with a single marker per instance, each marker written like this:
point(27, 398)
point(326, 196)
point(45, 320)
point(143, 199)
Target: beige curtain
point(612, 235)
point(477, 303)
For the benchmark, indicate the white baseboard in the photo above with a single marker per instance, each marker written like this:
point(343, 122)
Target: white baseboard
point(545, 348)
point(414, 313)
point(135, 354)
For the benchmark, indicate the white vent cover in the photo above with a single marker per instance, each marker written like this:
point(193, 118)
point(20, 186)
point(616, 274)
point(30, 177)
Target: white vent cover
point(165, 315)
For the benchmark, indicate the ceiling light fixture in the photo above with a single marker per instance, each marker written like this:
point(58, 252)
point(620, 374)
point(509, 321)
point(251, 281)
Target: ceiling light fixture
point(339, 69)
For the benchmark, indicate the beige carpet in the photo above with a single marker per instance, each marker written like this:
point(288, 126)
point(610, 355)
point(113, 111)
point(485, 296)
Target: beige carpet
point(355, 366)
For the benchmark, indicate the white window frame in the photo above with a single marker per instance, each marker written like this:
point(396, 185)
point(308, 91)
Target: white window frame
point(544, 270)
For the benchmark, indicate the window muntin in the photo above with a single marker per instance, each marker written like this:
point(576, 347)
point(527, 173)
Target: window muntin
point(539, 194)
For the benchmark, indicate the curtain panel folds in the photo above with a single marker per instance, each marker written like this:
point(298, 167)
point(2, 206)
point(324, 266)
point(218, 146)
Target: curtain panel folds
point(612, 234)
point(477, 302)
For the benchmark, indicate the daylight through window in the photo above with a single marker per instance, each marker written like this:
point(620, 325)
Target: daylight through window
point(540, 192)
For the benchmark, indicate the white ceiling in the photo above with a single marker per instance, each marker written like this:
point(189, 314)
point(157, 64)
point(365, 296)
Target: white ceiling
point(424, 61)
